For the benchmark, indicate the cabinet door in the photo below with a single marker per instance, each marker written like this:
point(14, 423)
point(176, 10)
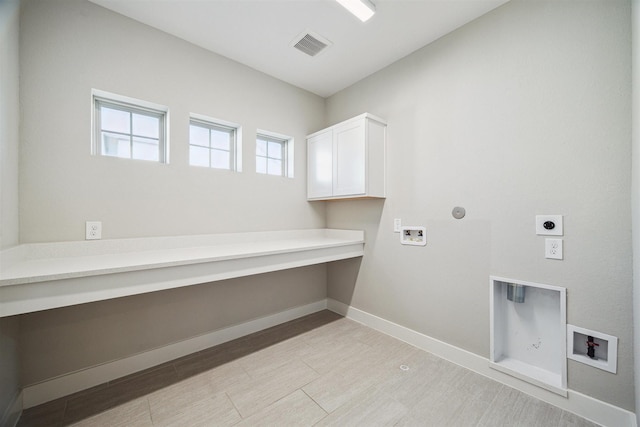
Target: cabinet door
point(320, 165)
point(349, 159)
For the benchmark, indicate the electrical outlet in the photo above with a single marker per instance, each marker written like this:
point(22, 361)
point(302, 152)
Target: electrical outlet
point(93, 230)
point(553, 248)
point(397, 225)
point(549, 225)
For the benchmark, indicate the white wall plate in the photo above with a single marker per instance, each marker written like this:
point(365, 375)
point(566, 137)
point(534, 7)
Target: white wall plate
point(549, 225)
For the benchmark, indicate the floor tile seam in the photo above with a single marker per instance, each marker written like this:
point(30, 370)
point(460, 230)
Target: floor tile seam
point(382, 389)
point(294, 391)
point(234, 407)
point(310, 396)
point(64, 410)
point(326, 413)
point(370, 391)
point(305, 362)
point(521, 407)
point(336, 354)
point(343, 404)
point(446, 398)
point(315, 376)
point(310, 367)
point(486, 410)
point(181, 411)
point(311, 380)
point(146, 398)
point(246, 373)
point(271, 369)
point(258, 376)
point(324, 343)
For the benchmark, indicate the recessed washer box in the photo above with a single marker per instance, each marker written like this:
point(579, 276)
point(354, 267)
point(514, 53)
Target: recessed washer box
point(605, 348)
point(528, 332)
point(413, 235)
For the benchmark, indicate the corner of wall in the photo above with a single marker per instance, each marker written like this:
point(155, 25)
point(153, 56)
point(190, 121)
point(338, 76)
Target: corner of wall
point(10, 393)
point(635, 190)
point(9, 122)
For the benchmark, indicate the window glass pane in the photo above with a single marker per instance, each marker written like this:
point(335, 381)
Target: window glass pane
point(145, 149)
point(198, 135)
point(115, 145)
point(261, 147)
point(275, 150)
point(274, 167)
point(220, 159)
point(146, 126)
point(261, 165)
point(198, 156)
point(128, 130)
point(220, 139)
point(114, 120)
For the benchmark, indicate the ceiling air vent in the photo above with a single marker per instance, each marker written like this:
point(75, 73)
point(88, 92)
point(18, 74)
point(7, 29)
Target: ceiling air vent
point(310, 43)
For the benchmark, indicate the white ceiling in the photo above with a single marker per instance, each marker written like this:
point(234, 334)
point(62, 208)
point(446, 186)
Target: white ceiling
point(259, 33)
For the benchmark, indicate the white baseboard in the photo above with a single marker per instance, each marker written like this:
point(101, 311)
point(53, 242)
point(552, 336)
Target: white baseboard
point(12, 412)
point(580, 404)
point(55, 388)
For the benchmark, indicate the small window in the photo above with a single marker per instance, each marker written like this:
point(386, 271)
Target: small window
point(130, 131)
point(274, 155)
point(212, 145)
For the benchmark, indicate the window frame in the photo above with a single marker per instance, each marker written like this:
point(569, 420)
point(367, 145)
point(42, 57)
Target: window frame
point(132, 106)
point(287, 143)
point(235, 151)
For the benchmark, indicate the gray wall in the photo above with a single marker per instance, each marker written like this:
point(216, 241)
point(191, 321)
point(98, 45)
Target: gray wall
point(9, 119)
point(636, 192)
point(524, 111)
point(69, 47)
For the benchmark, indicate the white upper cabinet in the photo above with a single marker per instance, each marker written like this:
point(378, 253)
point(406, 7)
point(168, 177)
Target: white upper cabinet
point(347, 160)
point(319, 165)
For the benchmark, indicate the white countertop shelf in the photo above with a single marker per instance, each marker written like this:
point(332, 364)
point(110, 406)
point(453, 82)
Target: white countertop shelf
point(42, 276)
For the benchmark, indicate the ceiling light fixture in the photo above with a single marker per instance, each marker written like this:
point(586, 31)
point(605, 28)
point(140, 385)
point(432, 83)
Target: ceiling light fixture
point(362, 9)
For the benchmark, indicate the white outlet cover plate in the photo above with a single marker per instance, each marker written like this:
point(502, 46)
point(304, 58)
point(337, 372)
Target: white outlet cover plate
point(556, 231)
point(93, 230)
point(553, 248)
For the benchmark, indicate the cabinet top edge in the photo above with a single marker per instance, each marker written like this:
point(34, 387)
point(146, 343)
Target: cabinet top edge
point(358, 117)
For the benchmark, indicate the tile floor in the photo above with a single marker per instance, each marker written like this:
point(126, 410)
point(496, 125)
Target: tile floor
point(319, 370)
